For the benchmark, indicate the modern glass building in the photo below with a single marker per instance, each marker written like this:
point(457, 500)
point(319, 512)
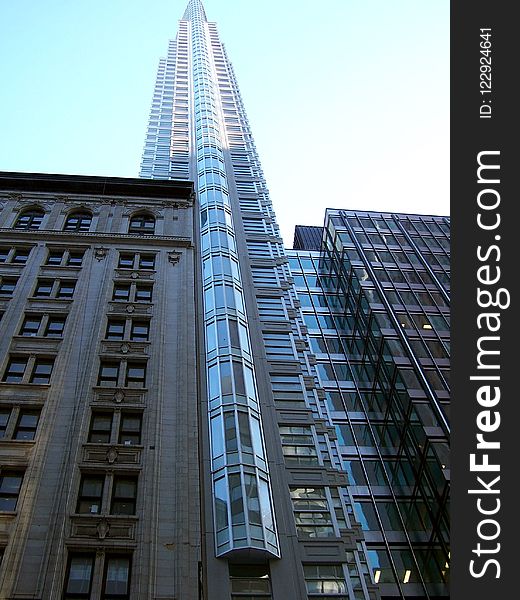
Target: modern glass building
point(362, 425)
point(243, 422)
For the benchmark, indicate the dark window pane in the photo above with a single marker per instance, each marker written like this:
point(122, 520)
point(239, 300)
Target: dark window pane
point(43, 288)
point(121, 292)
point(30, 326)
point(79, 576)
point(55, 327)
point(42, 371)
point(55, 257)
point(15, 370)
point(27, 424)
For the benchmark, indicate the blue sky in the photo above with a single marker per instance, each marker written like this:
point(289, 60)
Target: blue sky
point(348, 99)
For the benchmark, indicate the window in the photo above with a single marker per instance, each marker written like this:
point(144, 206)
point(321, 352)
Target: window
point(5, 413)
point(65, 258)
point(26, 425)
point(62, 289)
point(140, 331)
point(49, 326)
point(55, 327)
point(42, 370)
point(30, 326)
point(7, 285)
point(78, 221)
point(142, 223)
point(100, 427)
point(115, 329)
point(143, 293)
point(132, 292)
point(30, 219)
point(15, 370)
point(108, 374)
point(10, 484)
point(135, 375)
point(311, 512)
point(20, 256)
point(43, 288)
point(116, 578)
point(130, 429)
point(65, 289)
point(136, 261)
point(55, 257)
point(325, 581)
point(79, 576)
point(298, 445)
point(17, 366)
point(121, 291)
point(250, 582)
point(124, 494)
point(90, 494)
point(113, 374)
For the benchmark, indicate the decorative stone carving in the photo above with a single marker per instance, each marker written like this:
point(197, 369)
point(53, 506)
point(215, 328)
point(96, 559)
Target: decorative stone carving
point(125, 348)
point(119, 396)
point(100, 253)
point(174, 257)
point(130, 309)
point(134, 275)
point(102, 529)
point(112, 455)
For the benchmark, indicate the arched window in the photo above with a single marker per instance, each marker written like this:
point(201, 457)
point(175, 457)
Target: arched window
point(78, 221)
point(30, 219)
point(142, 223)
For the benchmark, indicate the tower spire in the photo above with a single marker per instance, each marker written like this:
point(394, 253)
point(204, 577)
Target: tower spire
point(194, 9)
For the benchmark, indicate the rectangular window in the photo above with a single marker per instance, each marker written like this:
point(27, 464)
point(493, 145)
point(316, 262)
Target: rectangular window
point(143, 293)
point(130, 429)
point(115, 329)
point(79, 576)
point(75, 259)
point(5, 413)
point(250, 582)
point(66, 289)
point(42, 370)
point(108, 374)
point(43, 288)
point(326, 581)
point(55, 257)
point(135, 375)
point(140, 331)
point(30, 326)
point(55, 326)
point(100, 427)
point(20, 256)
point(10, 484)
point(7, 285)
point(116, 578)
point(121, 291)
point(126, 261)
point(311, 512)
point(27, 425)
point(124, 495)
point(90, 494)
point(146, 261)
point(15, 370)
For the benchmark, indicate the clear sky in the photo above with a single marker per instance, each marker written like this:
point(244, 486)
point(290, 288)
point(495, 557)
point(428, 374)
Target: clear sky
point(348, 100)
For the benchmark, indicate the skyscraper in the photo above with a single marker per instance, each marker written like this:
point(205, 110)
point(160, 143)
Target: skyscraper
point(188, 410)
point(198, 129)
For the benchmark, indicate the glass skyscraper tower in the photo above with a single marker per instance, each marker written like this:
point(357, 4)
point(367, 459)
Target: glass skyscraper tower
point(282, 502)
